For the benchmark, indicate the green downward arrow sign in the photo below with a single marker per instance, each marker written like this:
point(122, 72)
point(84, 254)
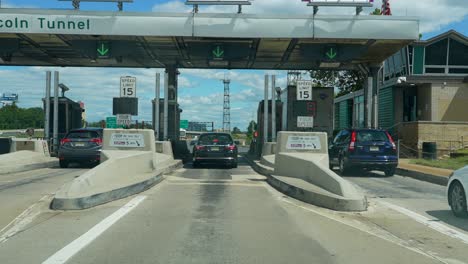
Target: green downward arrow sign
point(218, 52)
point(331, 54)
point(103, 50)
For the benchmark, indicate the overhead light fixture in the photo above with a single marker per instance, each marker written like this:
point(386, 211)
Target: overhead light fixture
point(218, 63)
point(330, 64)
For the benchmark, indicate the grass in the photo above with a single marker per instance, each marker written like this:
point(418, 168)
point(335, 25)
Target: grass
point(451, 163)
point(464, 151)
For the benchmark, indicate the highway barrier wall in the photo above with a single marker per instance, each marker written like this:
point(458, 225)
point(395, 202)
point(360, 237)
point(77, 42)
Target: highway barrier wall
point(129, 165)
point(301, 170)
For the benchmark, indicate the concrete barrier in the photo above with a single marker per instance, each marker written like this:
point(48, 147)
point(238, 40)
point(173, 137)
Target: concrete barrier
point(26, 154)
point(129, 165)
point(164, 147)
point(301, 170)
point(35, 145)
point(269, 148)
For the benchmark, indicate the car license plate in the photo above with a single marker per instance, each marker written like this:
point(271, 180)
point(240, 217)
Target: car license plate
point(79, 144)
point(374, 149)
point(214, 148)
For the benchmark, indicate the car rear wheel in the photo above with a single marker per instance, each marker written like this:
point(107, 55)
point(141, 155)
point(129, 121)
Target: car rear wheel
point(195, 164)
point(457, 198)
point(389, 171)
point(343, 168)
point(63, 164)
point(234, 165)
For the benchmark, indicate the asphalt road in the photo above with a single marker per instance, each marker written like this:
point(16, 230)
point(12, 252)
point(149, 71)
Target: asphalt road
point(217, 215)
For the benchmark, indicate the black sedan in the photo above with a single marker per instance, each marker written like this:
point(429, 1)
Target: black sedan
point(215, 148)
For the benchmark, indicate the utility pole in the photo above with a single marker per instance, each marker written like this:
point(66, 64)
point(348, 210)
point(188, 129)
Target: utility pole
point(226, 106)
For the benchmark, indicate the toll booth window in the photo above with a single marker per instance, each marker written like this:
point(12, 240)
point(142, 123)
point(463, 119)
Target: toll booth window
point(215, 139)
point(83, 134)
point(436, 54)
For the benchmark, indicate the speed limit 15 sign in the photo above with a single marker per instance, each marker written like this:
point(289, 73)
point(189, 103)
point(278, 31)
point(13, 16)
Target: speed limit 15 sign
point(304, 90)
point(127, 86)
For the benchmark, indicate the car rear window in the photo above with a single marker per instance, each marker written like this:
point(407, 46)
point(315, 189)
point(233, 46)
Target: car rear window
point(366, 136)
point(83, 134)
point(217, 139)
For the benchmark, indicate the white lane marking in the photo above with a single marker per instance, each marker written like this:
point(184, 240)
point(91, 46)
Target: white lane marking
point(428, 222)
point(74, 247)
point(387, 236)
point(22, 220)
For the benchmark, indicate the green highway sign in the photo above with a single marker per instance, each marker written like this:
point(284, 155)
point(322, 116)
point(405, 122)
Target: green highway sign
point(184, 124)
point(218, 52)
point(111, 122)
point(331, 53)
point(103, 49)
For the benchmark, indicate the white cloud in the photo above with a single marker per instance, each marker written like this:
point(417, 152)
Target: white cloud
point(433, 14)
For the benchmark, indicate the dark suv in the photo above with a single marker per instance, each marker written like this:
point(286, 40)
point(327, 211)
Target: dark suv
point(371, 149)
point(215, 148)
point(81, 145)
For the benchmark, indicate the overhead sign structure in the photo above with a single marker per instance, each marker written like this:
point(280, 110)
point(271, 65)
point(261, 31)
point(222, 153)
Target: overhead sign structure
point(304, 90)
point(127, 86)
point(111, 122)
point(303, 142)
point(103, 50)
point(124, 119)
point(305, 121)
point(127, 140)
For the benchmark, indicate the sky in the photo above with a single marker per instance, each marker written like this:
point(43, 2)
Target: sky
point(200, 91)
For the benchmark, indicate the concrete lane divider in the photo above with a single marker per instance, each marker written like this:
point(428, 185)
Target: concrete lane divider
point(130, 164)
point(301, 171)
point(26, 154)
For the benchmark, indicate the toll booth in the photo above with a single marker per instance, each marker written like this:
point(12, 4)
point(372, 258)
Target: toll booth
point(260, 121)
point(70, 114)
point(315, 115)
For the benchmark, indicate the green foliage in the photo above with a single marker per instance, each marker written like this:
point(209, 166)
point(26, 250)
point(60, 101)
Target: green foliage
point(236, 130)
point(451, 163)
point(376, 12)
point(346, 81)
point(13, 117)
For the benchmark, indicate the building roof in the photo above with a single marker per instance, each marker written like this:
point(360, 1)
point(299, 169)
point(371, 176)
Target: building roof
point(451, 33)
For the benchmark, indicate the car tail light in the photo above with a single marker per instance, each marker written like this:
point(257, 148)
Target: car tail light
point(230, 147)
point(352, 144)
point(64, 140)
point(391, 141)
point(98, 141)
point(199, 147)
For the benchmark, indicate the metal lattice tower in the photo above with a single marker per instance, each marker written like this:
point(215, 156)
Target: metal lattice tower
point(226, 107)
point(293, 77)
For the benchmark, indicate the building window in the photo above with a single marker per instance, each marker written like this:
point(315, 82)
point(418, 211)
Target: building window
point(436, 54)
point(435, 70)
point(458, 70)
point(458, 54)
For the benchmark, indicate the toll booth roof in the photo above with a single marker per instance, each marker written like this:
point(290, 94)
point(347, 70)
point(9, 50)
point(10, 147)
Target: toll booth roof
point(43, 37)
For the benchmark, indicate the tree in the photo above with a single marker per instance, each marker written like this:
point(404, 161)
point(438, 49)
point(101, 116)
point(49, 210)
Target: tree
point(13, 117)
point(236, 130)
point(346, 81)
point(376, 12)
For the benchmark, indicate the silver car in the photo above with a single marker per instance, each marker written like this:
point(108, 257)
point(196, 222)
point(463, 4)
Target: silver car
point(456, 192)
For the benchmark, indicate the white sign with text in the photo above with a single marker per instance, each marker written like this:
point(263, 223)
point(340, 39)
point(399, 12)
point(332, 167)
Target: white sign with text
point(305, 121)
point(127, 86)
point(303, 142)
point(127, 140)
point(304, 90)
point(124, 120)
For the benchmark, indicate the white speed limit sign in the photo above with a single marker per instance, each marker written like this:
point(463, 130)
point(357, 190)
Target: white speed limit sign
point(304, 90)
point(127, 86)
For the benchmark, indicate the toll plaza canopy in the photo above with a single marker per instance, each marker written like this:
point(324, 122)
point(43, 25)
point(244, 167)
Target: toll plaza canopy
point(43, 37)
